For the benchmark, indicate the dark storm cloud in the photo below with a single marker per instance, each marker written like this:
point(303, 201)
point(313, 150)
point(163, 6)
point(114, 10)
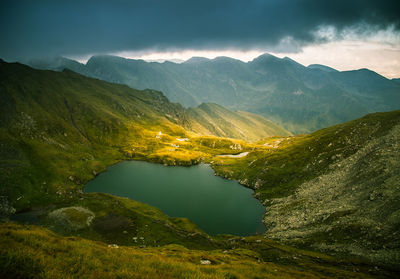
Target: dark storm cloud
point(52, 27)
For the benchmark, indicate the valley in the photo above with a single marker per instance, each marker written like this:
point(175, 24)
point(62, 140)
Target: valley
point(59, 130)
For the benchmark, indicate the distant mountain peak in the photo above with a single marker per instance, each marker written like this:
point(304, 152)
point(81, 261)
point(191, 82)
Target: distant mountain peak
point(55, 63)
point(265, 57)
point(226, 59)
point(288, 59)
point(105, 56)
point(367, 72)
point(197, 59)
point(291, 61)
point(322, 68)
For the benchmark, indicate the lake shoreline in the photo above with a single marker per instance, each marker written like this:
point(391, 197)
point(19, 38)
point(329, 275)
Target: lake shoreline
point(208, 180)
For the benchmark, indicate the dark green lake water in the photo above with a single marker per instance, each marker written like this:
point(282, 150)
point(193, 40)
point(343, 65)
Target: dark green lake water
point(215, 204)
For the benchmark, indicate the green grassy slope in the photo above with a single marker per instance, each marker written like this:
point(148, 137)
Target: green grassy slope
point(212, 119)
point(64, 127)
point(59, 129)
point(335, 190)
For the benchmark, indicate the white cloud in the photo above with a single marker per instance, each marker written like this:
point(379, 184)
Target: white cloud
point(350, 49)
point(187, 54)
point(377, 50)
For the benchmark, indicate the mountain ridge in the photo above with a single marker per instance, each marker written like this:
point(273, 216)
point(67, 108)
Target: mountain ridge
point(301, 99)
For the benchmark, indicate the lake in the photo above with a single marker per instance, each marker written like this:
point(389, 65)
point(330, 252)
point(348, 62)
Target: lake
point(216, 205)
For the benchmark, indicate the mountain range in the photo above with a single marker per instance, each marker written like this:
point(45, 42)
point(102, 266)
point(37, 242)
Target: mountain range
point(301, 99)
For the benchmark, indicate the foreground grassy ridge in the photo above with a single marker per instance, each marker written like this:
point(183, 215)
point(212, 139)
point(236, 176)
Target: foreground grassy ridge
point(121, 221)
point(336, 190)
point(32, 252)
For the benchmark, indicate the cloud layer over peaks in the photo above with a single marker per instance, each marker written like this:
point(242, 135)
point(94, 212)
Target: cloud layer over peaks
point(48, 27)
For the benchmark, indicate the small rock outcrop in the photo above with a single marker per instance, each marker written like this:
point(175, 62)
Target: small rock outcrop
point(205, 262)
point(72, 218)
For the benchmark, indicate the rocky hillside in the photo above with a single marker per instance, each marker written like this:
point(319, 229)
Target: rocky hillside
point(336, 190)
point(352, 207)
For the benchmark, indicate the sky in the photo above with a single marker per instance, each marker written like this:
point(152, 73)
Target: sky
point(345, 35)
